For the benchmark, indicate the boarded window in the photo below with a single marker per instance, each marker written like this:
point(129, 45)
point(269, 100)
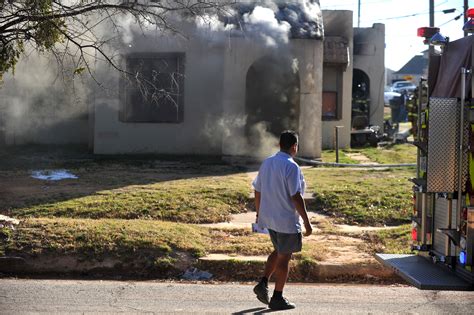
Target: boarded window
point(330, 105)
point(154, 92)
point(332, 92)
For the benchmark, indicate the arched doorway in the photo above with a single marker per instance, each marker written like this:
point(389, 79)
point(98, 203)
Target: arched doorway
point(360, 99)
point(273, 95)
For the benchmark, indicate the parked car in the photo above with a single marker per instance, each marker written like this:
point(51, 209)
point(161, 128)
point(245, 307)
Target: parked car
point(403, 85)
point(388, 95)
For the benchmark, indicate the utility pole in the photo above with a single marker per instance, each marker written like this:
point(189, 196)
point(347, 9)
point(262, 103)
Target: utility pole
point(432, 13)
point(466, 6)
point(431, 48)
point(358, 15)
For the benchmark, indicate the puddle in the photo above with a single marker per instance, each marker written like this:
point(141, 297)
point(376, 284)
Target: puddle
point(53, 175)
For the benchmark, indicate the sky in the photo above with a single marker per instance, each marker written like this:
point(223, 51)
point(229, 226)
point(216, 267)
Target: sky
point(402, 18)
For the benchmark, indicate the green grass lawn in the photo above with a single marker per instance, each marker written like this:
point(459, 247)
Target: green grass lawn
point(391, 154)
point(352, 196)
point(194, 200)
point(368, 197)
point(329, 156)
point(104, 238)
point(125, 239)
point(141, 209)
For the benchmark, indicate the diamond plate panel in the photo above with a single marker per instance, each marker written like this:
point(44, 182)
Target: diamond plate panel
point(423, 274)
point(441, 221)
point(443, 145)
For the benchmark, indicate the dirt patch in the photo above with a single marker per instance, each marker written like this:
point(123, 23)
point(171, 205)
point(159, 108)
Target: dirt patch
point(105, 267)
point(248, 270)
point(344, 255)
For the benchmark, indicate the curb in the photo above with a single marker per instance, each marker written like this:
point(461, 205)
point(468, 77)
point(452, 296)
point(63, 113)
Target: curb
point(300, 271)
point(238, 270)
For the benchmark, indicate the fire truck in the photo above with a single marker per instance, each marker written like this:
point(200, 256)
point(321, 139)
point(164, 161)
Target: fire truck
point(443, 189)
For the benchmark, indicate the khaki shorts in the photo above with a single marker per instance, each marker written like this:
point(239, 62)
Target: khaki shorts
point(285, 243)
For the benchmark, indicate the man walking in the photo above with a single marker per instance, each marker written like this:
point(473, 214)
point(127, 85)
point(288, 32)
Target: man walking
point(279, 189)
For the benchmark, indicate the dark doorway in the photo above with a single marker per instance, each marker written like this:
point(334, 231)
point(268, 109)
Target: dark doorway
point(360, 99)
point(273, 94)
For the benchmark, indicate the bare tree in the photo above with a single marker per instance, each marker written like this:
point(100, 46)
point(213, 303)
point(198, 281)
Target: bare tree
point(68, 28)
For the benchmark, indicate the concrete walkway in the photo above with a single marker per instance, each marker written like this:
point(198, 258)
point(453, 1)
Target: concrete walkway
point(345, 257)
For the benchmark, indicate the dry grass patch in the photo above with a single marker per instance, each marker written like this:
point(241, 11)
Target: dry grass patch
point(239, 242)
point(106, 237)
point(393, 241)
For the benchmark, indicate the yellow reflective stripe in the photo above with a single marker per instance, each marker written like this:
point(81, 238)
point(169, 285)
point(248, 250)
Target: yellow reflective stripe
point(471, 173)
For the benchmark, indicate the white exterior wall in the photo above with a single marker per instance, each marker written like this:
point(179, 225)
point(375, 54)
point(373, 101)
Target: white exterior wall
point(214, 100)
point(203, 85)
point(371, 60)
point(339, 23)
point(241, 54)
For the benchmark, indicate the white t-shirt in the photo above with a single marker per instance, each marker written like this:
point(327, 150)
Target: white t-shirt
point(278, 179)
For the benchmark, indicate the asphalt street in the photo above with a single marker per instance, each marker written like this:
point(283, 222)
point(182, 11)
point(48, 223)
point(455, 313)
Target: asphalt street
point(19, 296)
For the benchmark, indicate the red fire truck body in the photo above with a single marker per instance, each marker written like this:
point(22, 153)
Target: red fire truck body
point(443, 214)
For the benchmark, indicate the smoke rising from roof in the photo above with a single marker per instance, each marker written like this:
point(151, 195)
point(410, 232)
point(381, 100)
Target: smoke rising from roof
point(36, 90)
point(294, 19)
point(262, 23)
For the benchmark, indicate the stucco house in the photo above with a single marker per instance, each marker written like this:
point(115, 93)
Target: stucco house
point(353, 70)
point(226, 89)
point(232, 96)
point(369, 69)
point(337, 77)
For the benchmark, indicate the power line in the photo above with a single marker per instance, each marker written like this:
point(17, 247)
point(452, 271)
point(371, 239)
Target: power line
point(352, 4)
point(405, 16)
point(453, 19)
point(363, 3)
point(393, 17)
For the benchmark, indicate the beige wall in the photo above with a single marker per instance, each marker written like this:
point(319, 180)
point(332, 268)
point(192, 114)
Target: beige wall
point(203, 85)
point(241, 54)
point(369, 57)
point(214, 103)
point(339, 23)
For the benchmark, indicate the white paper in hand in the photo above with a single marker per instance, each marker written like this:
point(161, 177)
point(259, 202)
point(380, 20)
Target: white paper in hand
point(257, 229)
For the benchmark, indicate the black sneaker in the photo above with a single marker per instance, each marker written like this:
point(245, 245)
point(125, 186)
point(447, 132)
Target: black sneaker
point(261, 290)
point(280, 304)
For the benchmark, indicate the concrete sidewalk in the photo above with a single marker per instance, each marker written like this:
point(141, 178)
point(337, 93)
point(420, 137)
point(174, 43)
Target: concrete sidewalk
point(346, 260)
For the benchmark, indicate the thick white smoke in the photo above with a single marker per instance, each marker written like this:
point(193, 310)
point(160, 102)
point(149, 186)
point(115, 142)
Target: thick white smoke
point(274, 22)
point(37, 83)
point(41, 97)
point(262, 22)
point(259, 143)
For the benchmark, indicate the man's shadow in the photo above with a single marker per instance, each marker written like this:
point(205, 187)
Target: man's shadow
point(256, 310)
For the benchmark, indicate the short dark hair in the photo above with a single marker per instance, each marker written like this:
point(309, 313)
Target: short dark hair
point(287, 139)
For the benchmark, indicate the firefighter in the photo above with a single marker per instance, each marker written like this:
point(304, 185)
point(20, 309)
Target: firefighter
point(412, 108)
point(403, 106)
point(395, 104)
